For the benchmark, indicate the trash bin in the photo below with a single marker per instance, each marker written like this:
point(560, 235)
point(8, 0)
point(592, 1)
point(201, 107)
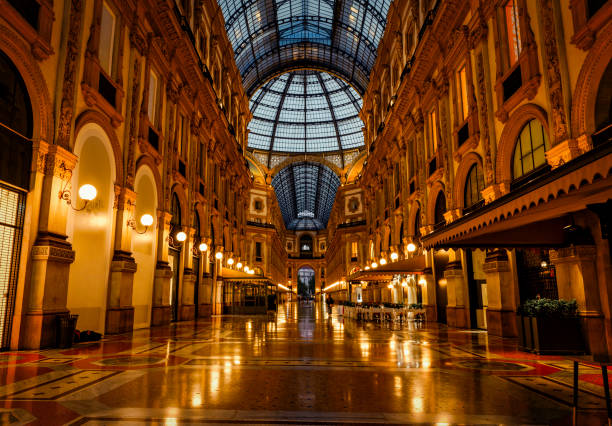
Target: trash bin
point(66, 324)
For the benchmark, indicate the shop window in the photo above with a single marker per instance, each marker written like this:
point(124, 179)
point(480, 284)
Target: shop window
point(354, 253)
point(474, 184)
point(432, 133)
point(513, 34)
point(258, 255)
point(530, 150)
point(153, 95)
point(108, 23)
point(462, 97)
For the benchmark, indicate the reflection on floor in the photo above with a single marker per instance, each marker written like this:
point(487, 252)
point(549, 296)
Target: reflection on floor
point(298, 366)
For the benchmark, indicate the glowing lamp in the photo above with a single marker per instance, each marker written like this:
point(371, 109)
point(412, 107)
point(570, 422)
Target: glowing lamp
point(230, 261)
point(218, 255)
point(181, 236)
point(367, 268)
point(203, 247)
point(239, 265)
point(88, 192)
point(146, 220)
point(411, 247)
point(394, 256)
point(374, 265)
point(383, 261)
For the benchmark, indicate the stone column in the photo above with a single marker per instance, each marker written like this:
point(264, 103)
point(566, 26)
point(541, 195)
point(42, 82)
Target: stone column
point(428, 288)
point(456, 310)
point(501, 294)
point(577, 279)
point(161, 310)
point(218, 288)
point(119, 309)
point(206, 284)
point(51, 253)
point(187, 303)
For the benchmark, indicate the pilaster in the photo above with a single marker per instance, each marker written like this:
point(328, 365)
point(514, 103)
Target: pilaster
point(501, 291)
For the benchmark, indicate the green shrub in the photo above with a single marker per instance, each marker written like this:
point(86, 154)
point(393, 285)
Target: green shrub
point(549, 308)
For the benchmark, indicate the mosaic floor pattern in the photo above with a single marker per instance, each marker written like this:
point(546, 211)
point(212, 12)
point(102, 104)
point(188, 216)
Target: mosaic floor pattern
point(299, 366)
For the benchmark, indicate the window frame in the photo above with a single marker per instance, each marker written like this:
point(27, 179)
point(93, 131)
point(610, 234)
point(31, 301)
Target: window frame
point(470, 186)
point(518, 145)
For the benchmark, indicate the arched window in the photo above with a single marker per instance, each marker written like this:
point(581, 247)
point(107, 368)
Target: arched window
point(16, 115)
point(439, 210)
point(603, 109)
point(196, 225)
point(417, 224)
point(175, 210)
point(474, 184)
point(306, 245)
point(530, 150)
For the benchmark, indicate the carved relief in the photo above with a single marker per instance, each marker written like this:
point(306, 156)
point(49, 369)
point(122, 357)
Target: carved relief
point(70, 67)
point(133, 136)
point(559, 123)
point(484, 120)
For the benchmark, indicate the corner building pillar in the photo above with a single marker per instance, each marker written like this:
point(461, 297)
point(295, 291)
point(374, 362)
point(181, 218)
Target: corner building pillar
point(501, 295)
point(577, 279)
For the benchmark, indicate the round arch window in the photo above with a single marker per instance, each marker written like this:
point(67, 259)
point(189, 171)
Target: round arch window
point(530, 149)
point(474, 184)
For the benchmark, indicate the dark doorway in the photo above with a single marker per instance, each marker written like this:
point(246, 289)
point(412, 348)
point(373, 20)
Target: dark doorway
point(440, 262)
point(537, 277)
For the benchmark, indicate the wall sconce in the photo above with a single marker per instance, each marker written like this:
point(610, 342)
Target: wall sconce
point(383, 261)
point(544, 264)
point(203, 247)
point(411, 247)
point(394, 256)
point(230, 261)
point(87, 192)
point(218, 255)
point(239, 265)
point(176, 240)
point(367, 268)
point(146, 220)
point(374, 265)
point(422, 281)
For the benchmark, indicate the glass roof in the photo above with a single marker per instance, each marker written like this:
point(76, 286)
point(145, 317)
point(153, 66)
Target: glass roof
point(305, 112)
point(306, 193)
point(271, 36)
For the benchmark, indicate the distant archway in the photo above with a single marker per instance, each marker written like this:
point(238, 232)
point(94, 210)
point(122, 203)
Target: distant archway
point(306, 278)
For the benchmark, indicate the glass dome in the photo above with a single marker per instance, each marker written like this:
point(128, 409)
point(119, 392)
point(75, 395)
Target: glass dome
point(305, 192)
point(305, 111)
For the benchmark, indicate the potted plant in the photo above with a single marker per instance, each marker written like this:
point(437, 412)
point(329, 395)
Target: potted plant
point(550, 326)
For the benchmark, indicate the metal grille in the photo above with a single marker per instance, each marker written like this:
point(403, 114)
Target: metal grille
point(12, 208)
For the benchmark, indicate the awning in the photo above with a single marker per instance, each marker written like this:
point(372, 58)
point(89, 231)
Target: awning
point(234, 275)
point(530, 217)
point(414, 265)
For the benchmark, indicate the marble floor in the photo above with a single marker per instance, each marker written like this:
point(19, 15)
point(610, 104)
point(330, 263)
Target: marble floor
point(298, 366)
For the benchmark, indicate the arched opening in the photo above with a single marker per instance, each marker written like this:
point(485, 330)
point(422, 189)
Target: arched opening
point(439, 210)
point(144, 247)
point(306, 245)
point(530, 152)
point(90, 230)
point(306, 282)
point(417, 224)
point(603, 109)
point(474, 184)
point(174, 255)
point(17, 124)
point(15, 161)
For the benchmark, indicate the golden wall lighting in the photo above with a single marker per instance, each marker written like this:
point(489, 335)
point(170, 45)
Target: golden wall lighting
point(203, 247)
point(411, 247)
point(374, 265)
point(87, 193)
point(383, 261)
point(251, 272)
point(218, 255)
point(422, 281)
point(394, 256)
point(544, 264)
point(367, 268)
point(230, 261)
point(181, 236)
point(146, 220)
point(239, 265)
